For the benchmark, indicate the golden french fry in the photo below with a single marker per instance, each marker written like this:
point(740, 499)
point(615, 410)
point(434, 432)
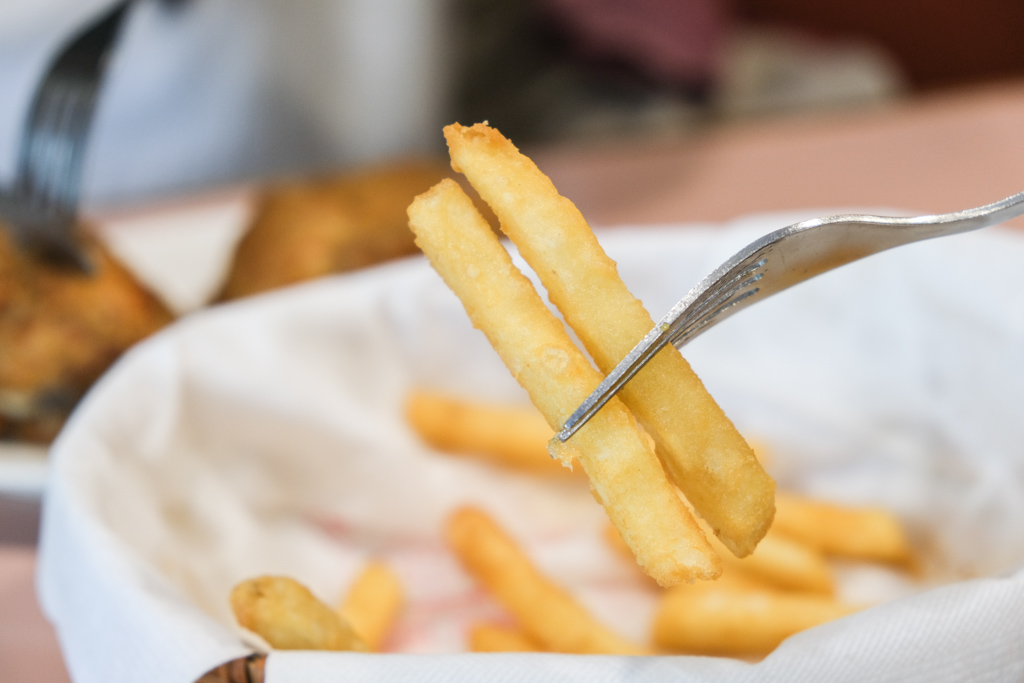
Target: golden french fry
point(730, 619)
point(289, 617)
point(777, 562)
point(495, 638)
point(762, 451)
point(546, 612)
point(699, 446)
point(625, 476)
point(511, 436)
point(863, 533)
point(782, 562)
point(373, 604)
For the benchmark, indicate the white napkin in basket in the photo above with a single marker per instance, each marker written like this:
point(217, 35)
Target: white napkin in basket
point(267, 437)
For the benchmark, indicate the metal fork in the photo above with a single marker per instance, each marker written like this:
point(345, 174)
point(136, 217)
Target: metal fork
point(776, 262)
point(41, 207)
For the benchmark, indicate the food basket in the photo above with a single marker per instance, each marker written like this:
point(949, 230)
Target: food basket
point(267, 436)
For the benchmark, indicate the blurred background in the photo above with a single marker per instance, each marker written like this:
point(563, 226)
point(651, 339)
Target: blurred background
point(213, 92)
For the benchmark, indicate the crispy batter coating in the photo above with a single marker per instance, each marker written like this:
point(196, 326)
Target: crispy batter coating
point(699, 447)
point(625, 475)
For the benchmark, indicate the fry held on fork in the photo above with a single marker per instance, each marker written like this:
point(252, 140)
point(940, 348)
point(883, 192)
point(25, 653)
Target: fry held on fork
point(625, 476)
point(697, 444)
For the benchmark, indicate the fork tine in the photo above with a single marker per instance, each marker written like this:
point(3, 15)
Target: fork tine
point(54, 154)
point(716, 303)
point(799, 252)
point(645, 350)
point(44, 202)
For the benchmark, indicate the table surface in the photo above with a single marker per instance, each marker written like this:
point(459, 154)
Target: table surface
point(941, 153)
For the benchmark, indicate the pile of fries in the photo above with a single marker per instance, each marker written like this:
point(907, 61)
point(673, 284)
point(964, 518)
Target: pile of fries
point(685, 494)
point(786, 585)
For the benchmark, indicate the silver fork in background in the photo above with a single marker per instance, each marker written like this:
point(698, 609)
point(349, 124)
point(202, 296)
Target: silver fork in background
point(41, 208)
point(776, 262)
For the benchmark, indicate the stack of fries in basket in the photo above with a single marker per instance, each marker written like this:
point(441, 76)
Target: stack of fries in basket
point(741, 568)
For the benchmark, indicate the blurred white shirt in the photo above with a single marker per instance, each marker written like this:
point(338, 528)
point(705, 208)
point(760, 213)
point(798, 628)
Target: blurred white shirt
point(214, 92)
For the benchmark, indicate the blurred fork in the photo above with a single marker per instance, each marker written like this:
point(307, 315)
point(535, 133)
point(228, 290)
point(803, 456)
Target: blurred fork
point(776, 262)
point(42, 205)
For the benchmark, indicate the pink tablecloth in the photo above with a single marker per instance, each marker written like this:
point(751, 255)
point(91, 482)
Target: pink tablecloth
point(941, 153)
point(28, 649)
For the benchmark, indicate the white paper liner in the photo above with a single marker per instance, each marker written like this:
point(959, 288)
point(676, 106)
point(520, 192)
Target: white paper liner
point(267, 437)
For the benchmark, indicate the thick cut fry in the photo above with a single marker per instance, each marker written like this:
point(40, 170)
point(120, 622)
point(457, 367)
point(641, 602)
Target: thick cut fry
point(494, 638)
point(625, 476)
point(546, 613)
point(373, 603)
point(699, 446)
point(728, 619)
point(860, 533)
point(285, 614)
point(510, 436)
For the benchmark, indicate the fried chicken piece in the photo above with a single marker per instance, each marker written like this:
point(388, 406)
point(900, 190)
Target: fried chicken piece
point(59, 331)
point(306, 229)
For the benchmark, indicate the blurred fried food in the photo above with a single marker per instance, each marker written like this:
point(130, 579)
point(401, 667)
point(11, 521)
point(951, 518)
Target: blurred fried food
point(373, 604)
point(546, 612)
point(289, 617)
point(59, 331)
point(309, 228)
point(512, 436)
point(858, 533)
point(734, 616)
point(484, 637)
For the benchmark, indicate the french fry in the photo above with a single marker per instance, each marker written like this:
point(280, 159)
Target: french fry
point(510, 436)
point(786, 564)
point(546, 613)
point(778, 562)
point(699, 446)
point(373, 604)
point(762, 451)
point(727, 618)
point(289, 617)
point(862, 533)
point(495, 638)
point(625, 476)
